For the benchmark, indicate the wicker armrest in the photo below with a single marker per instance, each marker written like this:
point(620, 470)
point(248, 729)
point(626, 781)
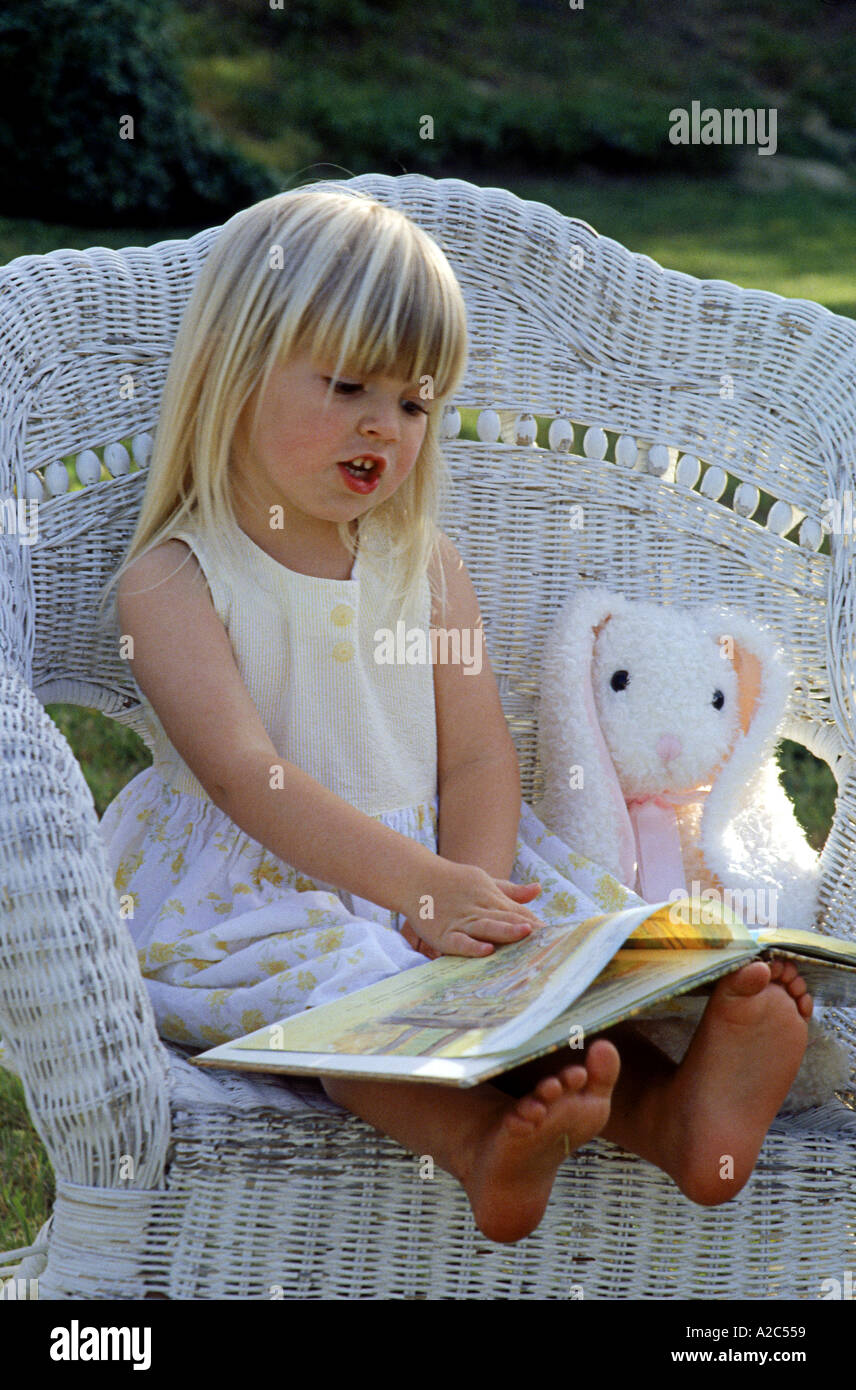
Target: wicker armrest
point(75, 1018)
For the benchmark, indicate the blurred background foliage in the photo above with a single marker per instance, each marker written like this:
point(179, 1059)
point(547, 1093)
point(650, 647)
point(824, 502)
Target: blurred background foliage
point(233, 100)
point(231, 97)
point(90, 68)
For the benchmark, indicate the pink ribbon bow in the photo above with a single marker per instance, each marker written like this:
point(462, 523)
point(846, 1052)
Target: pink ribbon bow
point(658, 845)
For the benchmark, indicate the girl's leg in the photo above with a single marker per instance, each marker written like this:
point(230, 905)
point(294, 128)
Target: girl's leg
point(703, 1122)
point(504, 1151)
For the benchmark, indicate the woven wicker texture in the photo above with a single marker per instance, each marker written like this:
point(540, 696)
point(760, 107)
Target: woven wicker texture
point(659, 387)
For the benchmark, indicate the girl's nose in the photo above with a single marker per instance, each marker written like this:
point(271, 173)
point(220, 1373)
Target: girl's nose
point(380, 419)
point(669, 747)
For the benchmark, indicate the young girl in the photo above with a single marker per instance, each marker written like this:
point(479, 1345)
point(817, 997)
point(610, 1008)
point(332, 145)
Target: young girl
point(304, 798)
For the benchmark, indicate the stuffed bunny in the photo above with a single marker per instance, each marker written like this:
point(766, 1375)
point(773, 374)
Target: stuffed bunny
point(657, 735)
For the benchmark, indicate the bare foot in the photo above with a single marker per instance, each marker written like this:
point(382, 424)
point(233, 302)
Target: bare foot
point(717, 1106)
point(518, 1152)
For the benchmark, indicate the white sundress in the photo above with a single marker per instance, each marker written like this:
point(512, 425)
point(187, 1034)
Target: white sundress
point(231, 937)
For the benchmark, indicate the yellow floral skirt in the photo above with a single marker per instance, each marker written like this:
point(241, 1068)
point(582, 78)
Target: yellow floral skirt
point(230, 937)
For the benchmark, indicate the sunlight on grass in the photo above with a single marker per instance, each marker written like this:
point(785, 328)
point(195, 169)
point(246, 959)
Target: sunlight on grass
point(797, 244)
point(835, 288)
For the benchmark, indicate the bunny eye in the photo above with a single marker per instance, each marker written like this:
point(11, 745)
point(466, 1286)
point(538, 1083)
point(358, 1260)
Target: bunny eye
point(718, 699)
point(620, 680)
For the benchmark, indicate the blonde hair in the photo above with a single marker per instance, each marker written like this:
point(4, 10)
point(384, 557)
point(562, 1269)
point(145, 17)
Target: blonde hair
point(337, 275)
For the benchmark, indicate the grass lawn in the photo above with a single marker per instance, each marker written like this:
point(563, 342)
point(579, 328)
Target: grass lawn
point(797, 244)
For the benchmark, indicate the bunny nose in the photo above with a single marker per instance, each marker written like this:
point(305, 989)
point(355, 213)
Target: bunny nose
point(669, 747)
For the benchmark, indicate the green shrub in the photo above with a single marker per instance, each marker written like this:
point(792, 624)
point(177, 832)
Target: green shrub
point(87, 66)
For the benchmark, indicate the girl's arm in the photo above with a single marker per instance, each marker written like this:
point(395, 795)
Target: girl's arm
point(477, 769)
point(480, 814)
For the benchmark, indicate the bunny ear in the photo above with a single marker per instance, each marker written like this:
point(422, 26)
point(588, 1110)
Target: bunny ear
point(763, 679)
point(749, 667)
point(591, 818)
point(749, 835)
point(749, 673)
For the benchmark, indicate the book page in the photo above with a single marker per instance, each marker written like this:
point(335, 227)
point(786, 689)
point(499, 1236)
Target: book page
point(458, 1006)
point(808, 943)
point(692, 924)
point(636, 979)
point(630, 982)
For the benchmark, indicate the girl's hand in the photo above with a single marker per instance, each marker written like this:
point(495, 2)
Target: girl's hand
point(471, 910)
point(413, 939)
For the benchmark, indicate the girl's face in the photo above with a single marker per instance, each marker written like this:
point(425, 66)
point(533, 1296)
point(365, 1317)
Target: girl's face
point(302, 443)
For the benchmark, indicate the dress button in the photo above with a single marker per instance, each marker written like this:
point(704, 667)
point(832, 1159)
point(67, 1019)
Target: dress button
point(343, 651)
point(342, 614)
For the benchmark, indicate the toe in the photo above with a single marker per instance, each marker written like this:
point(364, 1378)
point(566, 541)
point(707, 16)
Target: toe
point(602, 1064)
point(573, 1078)
point(548, 1089)
point(750, 979)
point(531, 1109)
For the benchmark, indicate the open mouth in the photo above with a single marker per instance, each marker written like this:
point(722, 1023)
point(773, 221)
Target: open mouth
point(362, 475)
point(362, 468)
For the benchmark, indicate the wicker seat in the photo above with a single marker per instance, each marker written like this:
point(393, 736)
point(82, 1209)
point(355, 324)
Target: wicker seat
point(194, 1185)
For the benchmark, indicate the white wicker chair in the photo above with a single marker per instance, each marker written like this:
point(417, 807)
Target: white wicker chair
point(202, 1185)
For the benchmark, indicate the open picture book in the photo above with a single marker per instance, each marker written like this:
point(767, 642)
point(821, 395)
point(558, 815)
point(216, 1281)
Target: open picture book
point(459, 1020)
